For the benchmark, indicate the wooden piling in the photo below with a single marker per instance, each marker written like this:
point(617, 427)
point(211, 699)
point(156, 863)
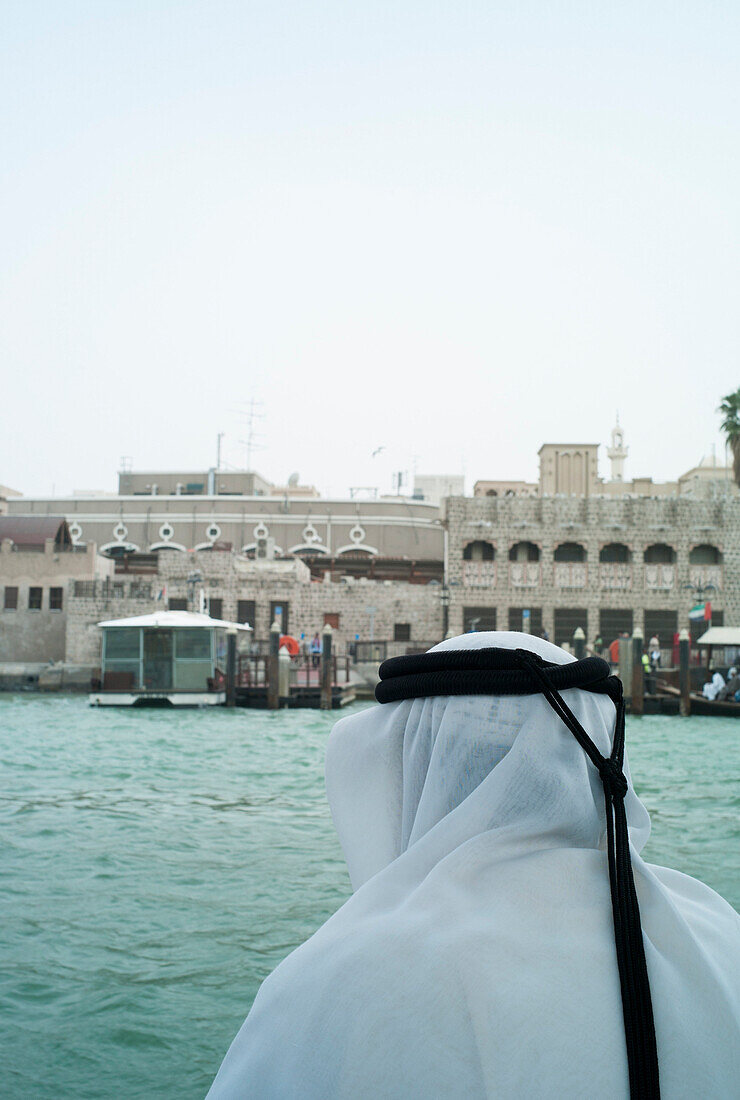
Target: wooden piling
point(637, 705)
point(273, 668)
point(326, 668)
point(231, 666)
point(684, 673)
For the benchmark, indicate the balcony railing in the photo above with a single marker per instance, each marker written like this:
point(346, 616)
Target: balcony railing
point(615, 574)
point(479, 574)
point(524, 574)
point(660, 576)
point(701, 575)
point(570, 574)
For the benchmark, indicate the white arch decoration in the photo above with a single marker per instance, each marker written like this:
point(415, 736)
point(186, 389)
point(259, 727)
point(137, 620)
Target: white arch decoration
point(358, 546)
point(129, 547)
point(75, 533)
point(166, 531)
point(261, 531)
point(166, 545)
point(313, 547)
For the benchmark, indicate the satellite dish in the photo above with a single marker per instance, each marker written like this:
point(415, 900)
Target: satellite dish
point(293, 480)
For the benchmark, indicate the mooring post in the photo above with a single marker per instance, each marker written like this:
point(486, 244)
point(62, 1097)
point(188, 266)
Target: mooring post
point(579, 643)
point(231, 666)
point(284, 675)
point(273, 668)
point(638, 675)
point(684, 673)
point(625, 664)
point(326, 684)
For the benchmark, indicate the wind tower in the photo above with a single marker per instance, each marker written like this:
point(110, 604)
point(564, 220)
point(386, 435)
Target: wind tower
point(617, 453)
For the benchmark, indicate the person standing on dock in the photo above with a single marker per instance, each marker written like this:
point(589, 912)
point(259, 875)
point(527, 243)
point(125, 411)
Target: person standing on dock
point(481, 953)
point(315, 648)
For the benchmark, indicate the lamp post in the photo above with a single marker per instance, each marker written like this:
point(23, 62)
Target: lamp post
point(193, 579)
point(444, 599)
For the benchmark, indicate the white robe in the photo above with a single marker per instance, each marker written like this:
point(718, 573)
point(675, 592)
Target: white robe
point(476, 957)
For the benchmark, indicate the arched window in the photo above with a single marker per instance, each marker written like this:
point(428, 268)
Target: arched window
point(524, 551)
point(615, 552)
point(570, 551)
point(705, 555)
point(492, 493)
point(479, 551)
point(660, 554)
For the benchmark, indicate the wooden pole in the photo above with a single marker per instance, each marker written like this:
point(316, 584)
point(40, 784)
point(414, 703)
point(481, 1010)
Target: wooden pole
point(638, 675)
point(326, 685)
point(579, 643)
point(684, 673)
point(231, 666)
point(273, 668)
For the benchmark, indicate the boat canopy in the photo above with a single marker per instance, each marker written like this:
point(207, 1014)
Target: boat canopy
point(720, 635)
point(170, 619)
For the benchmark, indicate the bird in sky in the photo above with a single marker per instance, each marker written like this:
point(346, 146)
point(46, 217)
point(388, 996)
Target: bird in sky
point(377, 451)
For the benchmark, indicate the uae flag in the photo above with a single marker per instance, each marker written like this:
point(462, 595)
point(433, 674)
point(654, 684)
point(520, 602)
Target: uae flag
point(701, 611)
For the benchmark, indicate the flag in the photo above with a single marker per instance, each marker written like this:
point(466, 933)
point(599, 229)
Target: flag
point(701, 611)
point(162, 594)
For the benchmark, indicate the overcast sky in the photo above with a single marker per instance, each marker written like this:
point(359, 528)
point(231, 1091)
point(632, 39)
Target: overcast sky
point(455, 230)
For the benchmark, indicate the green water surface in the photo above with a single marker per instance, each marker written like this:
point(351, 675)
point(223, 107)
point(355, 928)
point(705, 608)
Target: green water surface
point(157, 865)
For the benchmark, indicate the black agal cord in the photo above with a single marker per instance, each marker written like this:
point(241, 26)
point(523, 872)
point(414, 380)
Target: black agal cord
point(520, 672)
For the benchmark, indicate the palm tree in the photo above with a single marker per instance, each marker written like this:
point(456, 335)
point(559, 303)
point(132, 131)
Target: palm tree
point(730, 409)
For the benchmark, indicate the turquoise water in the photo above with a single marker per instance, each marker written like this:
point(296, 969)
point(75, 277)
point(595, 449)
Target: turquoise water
point(157, 865)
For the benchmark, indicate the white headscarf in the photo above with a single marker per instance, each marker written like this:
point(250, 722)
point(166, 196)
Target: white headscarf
point(476, 957)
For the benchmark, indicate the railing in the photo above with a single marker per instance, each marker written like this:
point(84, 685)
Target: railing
point(373, 652)
point(524, 574)
point(112, 590)
point(570, 574)
point(660, 576)
point(615, 574)
point(479, 574)
point(253, 670)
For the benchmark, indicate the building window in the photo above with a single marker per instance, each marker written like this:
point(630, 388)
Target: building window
point(478, 618)
point(35, 596)
point(177, 603)
point(245, 612)
point(279, 612)
point(56, 599)
point(216, 608)
point(661, 624)
point(517, 617)
point(480, 550)
point(569, 551)
point(11, 598)
point(331, 618)
point(567, 621)
point(704, 555)
point(660, 554)
point(402, 632)
point(615, 552)
point(524, 551)
point(614, 622)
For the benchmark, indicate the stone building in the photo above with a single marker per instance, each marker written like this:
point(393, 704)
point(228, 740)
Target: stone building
point(606, 565)
point(38, 567)
point(238, 589)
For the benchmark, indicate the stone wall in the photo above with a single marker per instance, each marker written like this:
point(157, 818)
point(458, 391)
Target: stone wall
point(371, 609)
point(591, 585)
point(38, 633)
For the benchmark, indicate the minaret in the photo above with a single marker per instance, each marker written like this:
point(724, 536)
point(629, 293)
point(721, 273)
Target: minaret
point(617, 453)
